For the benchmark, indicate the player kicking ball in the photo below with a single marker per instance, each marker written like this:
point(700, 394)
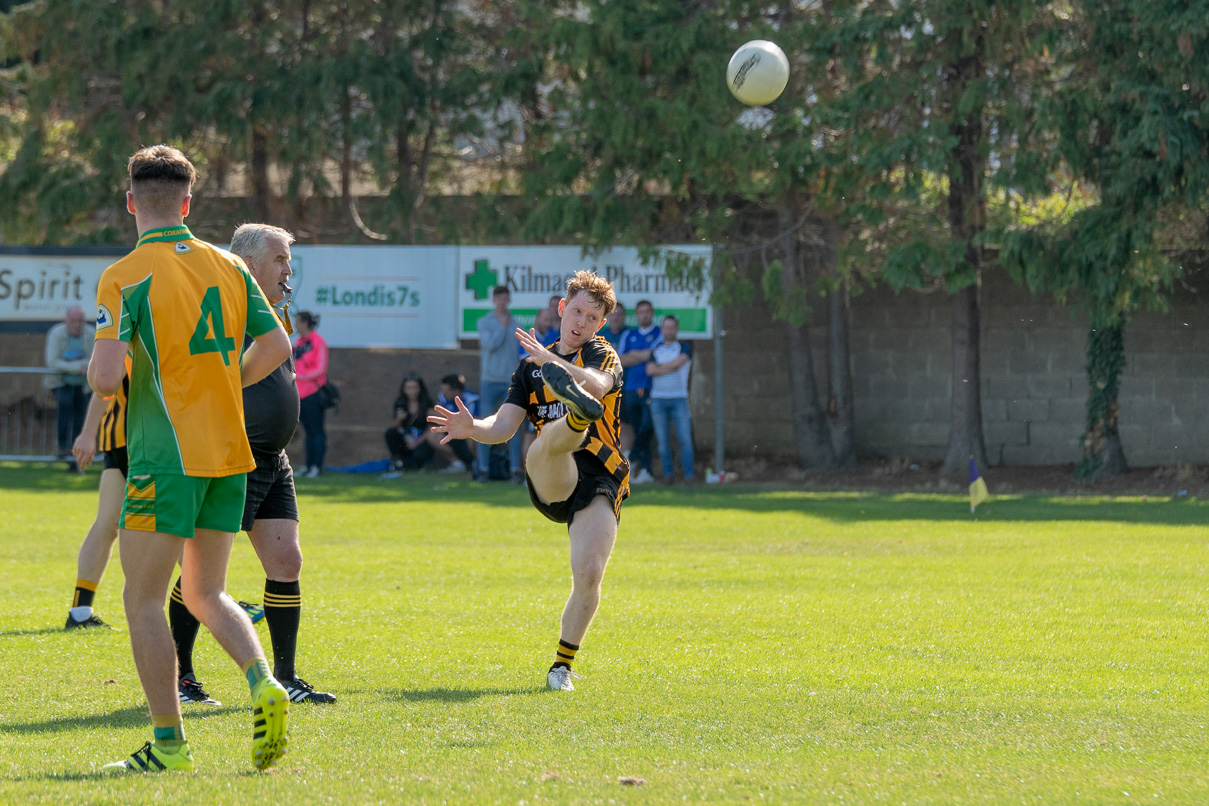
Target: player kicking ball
point(576, 472)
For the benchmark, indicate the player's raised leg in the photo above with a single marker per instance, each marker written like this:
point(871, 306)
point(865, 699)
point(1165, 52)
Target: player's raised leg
point(550, 463)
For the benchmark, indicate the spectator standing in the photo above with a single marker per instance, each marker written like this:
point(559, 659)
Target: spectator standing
point(636, 426)
point(615, 327)
point(552, 307)
point(407, 438)
point(310, 361)
point(671, 361)
point(545, 327)
point(68, 350)
point(498, 352)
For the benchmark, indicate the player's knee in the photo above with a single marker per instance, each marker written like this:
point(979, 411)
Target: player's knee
point(589, 574)
point(195, 601)
point(289, 565)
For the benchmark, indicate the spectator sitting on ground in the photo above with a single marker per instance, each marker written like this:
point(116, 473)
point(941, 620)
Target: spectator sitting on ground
point(406, 438)
point(458, 451)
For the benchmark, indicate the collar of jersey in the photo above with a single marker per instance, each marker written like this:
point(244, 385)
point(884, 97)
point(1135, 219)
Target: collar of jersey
point(179, 233)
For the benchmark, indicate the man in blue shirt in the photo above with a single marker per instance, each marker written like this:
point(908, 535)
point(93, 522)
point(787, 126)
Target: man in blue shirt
point(614, 327)
point(636, 424)
point(498, 352)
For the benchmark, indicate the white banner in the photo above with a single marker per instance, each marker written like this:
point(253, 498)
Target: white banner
point(42, 288)
point(378, 296)
point(533, 274)
point(393, 296)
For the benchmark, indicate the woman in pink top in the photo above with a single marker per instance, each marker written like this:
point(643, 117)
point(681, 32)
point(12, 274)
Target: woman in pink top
point(310, 364)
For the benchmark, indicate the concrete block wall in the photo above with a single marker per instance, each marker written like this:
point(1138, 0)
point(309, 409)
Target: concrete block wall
point(1034, 390)
point(1034, 385)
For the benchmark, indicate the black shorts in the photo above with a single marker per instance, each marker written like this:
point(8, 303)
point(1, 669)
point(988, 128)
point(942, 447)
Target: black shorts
point(271, 493)
point(118, 459)
point(593, 481)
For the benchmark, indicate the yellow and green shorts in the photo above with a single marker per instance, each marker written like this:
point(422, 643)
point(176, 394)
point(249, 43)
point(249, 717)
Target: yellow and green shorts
point(178, 505)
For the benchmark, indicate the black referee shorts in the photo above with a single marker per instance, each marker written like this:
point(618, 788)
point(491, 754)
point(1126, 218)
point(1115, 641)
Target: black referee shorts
point(118, 459)
point(271, 493)
point(593, 481)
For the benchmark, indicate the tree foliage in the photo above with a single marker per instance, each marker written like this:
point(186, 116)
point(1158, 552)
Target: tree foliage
point(295, 96)
point(1131, 120)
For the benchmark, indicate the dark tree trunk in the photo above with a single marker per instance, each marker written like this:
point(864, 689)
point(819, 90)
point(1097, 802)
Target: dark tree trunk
point(967, 222)
point(1103, 454)
point(965, 418)
point(260, 174)
point(809, 420)
point(840, 414)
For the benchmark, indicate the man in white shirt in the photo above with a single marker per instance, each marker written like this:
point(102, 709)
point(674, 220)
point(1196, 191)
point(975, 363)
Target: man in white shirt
point(671, 361)
point(68, 350)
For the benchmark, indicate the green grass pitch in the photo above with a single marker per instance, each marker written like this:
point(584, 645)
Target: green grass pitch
point(754, 644)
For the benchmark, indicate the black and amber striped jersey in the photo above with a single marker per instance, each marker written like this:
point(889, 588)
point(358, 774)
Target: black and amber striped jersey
point(112, 433)
point(530, 393)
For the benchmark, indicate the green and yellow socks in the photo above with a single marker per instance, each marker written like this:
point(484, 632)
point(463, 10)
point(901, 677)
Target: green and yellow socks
point(169, 731)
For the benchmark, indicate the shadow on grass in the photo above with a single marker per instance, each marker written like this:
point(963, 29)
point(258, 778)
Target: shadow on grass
point(38, 631)
point(834, 505)
point(63, 777)
point(125, 718)
point(449, 695)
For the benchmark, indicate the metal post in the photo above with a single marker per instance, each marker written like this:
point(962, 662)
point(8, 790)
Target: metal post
point(719, 334)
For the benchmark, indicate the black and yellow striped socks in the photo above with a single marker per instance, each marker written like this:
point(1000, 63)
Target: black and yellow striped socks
point(81, 601)
point(184, 626)
point(564, 654)
point(85, 591)
point(283, 613)
point(577, 423)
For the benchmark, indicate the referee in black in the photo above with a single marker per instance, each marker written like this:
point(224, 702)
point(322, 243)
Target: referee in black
point(270, 515)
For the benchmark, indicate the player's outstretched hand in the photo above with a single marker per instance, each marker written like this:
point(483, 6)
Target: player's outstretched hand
point(84, 450)
point(457, 424)
point(537, 354)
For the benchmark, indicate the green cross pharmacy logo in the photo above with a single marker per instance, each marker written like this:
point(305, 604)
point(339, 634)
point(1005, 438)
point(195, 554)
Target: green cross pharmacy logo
point(482, 280)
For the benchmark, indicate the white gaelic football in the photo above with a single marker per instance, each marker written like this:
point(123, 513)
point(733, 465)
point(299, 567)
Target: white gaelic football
point(757, 73)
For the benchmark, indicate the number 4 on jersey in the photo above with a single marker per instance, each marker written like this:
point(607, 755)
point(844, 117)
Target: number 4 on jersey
point(211, 323)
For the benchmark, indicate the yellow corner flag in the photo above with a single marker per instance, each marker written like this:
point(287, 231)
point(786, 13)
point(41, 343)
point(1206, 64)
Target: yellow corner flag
point(978, 486)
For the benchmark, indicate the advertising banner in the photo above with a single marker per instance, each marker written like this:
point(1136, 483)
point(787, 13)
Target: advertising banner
point(378, 296)
point(40, 288)
point(534, 274)
point(390, 296)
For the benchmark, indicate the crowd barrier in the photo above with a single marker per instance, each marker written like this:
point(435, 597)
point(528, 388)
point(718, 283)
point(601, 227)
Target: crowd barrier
point(28, 416)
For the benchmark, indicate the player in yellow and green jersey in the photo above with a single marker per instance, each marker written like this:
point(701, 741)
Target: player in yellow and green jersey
point(181, 307)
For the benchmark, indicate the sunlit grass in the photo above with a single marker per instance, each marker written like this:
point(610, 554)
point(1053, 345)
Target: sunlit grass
point(752, 644)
